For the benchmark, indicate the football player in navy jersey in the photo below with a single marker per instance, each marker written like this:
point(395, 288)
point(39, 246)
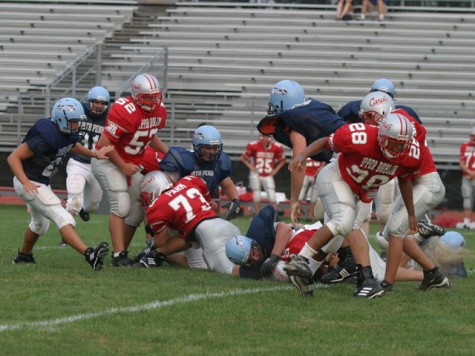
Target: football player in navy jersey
point(350, 111)
point(84, 191)
point(34, 162)
point(207, 161)
point(296, 123)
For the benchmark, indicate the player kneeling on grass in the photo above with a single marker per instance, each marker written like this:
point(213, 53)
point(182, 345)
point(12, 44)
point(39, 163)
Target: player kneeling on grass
point(33, 163)
point(186, 207)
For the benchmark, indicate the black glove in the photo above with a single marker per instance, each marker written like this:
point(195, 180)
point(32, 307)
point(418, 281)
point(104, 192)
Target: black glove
point(234, 207)
point(152, 259)
point(147, 250)
point(268, 265)
point(149, 230)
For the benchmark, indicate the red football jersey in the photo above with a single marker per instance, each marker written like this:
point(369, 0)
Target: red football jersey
point(131, 129)
point(467, 155)
point(312, 167)
point(362, 164)
point(297, 242)
point(427, 161)
point(264, 159)
point(151, 160)
point(182, 207)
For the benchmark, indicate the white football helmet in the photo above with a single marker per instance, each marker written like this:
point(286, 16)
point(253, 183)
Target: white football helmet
point(146, 91)
point(375, 106)
point(394, 135)
point(152, 185)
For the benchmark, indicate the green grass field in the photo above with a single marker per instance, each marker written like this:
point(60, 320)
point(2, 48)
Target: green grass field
point(61, 306)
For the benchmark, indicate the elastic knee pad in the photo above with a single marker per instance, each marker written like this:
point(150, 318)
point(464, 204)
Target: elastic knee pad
point(338, 229)
point(136, 215)
point(119, 203)
point(40, 226)
point(75, 203)
point(62, 218)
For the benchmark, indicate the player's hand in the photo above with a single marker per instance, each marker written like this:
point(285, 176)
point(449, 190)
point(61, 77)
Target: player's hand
point(294, 212)
point(268, 265)
point(30, 188)
point(130, 169)
point(234, 207)
point(297, 162)
point(103, 151)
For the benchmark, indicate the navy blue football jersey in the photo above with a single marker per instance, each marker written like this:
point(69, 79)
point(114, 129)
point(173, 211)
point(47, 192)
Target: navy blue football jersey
point(313, 119)
point(50, 146)
point(90, 131)
point(262, 230)
point(185, 162)
point(350, 111)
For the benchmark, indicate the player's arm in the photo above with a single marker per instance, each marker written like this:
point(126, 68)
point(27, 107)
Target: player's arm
point(14, 160)
point(247, 163)
point(129, 169)
point(282, 238)
point(283, 233)
point(159, 145)
point(299, 143)
point(99, 154)
point(229, 189)
point(174, 244)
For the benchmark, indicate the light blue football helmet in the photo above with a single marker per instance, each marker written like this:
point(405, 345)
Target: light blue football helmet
point(207, 136)
point(66, 110)
point(285, 95)
point(238, 249)
point(98, 94)
point(453, 240)
point(384, 85)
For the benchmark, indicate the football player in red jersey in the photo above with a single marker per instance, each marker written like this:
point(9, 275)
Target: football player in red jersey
point(467, 165)
point(309, 190)
point(428, 191)
point(132, 125)
point(369, 157)
point(267, 159)
point(186, 207)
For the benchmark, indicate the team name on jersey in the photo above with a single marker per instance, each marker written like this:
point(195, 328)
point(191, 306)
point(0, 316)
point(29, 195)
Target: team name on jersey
point(470, 148)
point(90, 127)
point(150, 122)
point(208, 173)
point(379, 167)
point(261, 154)
point(176, 189)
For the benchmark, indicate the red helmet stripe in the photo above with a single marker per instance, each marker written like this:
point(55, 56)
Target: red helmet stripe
point(150, 81)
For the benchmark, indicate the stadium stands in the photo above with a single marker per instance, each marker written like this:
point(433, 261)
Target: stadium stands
point(222, 60)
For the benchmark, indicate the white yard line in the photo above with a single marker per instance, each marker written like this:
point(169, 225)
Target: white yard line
point(138, 308)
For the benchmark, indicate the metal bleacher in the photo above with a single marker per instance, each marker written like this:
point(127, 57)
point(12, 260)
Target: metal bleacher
point(223, 58)
point(238, 52)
